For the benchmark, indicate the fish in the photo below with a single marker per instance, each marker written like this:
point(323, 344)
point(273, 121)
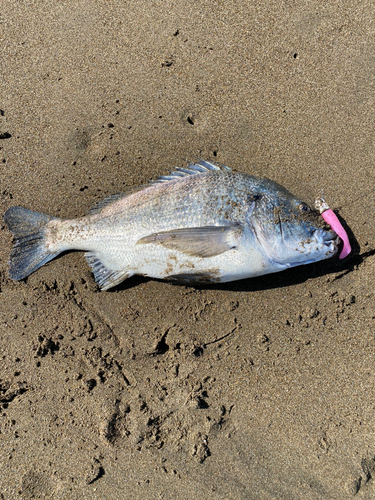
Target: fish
point(203, 223)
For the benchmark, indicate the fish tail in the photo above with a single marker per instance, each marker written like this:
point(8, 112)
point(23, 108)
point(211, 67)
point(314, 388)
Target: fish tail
point(29, 250)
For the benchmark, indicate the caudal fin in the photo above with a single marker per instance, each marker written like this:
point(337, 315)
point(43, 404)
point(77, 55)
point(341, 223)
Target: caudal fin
point(29, 250)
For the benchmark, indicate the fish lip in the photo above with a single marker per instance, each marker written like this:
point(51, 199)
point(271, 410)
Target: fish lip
point(329, 239)
point(326, 237)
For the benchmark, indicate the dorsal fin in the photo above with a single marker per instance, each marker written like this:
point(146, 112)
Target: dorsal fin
point(99, 205)
point(200, 167)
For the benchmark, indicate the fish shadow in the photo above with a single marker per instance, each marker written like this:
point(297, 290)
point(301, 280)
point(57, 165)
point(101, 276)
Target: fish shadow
point(289, 277)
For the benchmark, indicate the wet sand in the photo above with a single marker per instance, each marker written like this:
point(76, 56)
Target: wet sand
point(260, 389)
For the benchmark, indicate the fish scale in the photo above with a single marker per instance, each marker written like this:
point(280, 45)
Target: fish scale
point(219, 194)
point(200, 224)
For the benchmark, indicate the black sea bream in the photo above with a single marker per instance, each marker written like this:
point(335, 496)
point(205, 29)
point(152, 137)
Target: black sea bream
point(200, 224)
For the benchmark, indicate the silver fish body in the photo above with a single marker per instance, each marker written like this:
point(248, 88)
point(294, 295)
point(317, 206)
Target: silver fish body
point(201, 224)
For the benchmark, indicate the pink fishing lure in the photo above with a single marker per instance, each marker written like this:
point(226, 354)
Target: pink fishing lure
point(331, 218)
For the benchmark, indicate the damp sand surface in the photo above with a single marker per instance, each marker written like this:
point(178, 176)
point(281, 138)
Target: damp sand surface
point(259, 389)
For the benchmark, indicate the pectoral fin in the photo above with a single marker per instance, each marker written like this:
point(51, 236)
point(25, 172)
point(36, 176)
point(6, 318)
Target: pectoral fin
point(206, 241)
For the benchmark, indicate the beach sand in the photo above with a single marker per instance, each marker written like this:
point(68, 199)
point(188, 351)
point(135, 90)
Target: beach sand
point(257, 389)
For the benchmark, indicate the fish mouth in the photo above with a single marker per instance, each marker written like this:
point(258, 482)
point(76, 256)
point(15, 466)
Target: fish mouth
point(328, 238)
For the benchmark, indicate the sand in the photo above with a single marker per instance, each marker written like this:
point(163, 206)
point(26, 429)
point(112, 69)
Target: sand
point(260, 389)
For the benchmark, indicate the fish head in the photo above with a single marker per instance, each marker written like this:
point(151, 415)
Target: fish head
point(289, 231)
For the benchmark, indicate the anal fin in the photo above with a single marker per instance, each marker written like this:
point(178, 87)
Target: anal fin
point(104, 277)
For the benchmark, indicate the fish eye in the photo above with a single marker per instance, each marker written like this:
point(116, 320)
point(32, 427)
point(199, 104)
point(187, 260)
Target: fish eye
point(253, 197)
point(304, 208)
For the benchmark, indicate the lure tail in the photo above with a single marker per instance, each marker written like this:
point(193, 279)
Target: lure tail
point(29, 250)
point(331, 218)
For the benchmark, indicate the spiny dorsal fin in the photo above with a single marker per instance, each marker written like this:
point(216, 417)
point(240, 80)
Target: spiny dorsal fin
point(200, 167)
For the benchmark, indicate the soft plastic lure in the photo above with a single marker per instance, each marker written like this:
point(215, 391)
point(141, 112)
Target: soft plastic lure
point(331, 218)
